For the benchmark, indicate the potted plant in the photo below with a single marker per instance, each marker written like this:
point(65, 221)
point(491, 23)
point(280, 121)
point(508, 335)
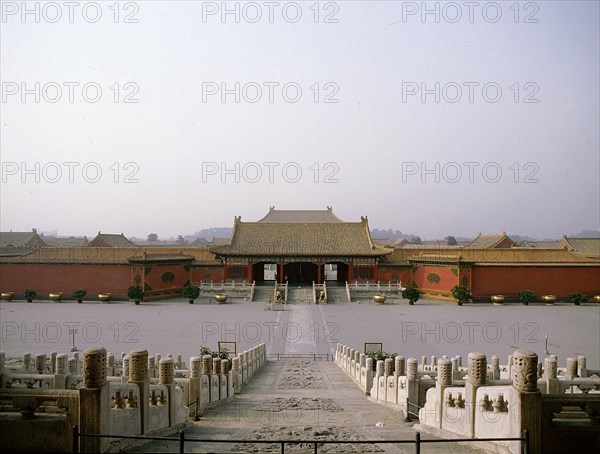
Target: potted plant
point(191, 292)
point(207, 351)
point(78, 294)
point(135, 293)
point(577, 298)
point(525, 297)
point(460, 294)
point(29, 294)
point(379, 355)
point(411, 294)
point(7, 296)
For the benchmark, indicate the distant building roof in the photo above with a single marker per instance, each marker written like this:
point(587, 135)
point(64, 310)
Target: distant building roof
point(400, 242)
point(300, 216)
point(19, 243)
point(201, 242)
point(386, 242)
point(142, 242)
point(110, 240)
point(20, 239)
point(432, 244)
point(301, 239)
point(542, 244)
point(58, 241)
point(501, 241)
point(588, 247)
point(220, 240)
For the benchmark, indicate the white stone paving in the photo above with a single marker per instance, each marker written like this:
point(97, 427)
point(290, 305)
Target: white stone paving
point(427, 328)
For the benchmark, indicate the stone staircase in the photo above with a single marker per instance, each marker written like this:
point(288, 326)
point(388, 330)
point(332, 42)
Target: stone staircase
point(336, 295)
point(301, 295)
point(263, 293)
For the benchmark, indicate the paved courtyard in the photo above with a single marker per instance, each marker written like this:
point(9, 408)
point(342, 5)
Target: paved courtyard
point(299, 398)
point(427, 328)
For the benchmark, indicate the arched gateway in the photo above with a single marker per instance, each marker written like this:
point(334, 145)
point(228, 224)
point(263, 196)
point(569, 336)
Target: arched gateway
point(299, 243)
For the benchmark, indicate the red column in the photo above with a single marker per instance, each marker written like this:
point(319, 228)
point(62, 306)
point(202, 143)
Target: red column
point(349, 272)
point(319, 273)
point(250, 273)
point(224, 273)
point(281, 276)
point(376, 273)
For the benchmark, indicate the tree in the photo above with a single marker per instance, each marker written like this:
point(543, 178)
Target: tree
point(461, 294)
point(135, 293)
point(525, 297)
point(181, 240)
point(451, 240)
point(78, 294)
point(153, 237)
point(191, 292)
point(29, 294)
point(578, 298)
point(411, 294)
point(416, 240)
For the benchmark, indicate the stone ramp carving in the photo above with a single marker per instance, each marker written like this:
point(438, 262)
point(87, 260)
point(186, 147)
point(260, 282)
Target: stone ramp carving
point(301, 374)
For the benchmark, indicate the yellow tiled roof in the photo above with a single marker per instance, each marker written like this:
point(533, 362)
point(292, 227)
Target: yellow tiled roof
point(300, 216)
point(104, 255)
point(489, 241)
point(111, 240)
point(301, 239)
point(18, 239)
point(512, 256)
point(65, 241)
point(587, 246)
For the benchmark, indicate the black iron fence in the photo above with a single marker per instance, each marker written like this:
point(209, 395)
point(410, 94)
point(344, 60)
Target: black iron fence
point(417, 441)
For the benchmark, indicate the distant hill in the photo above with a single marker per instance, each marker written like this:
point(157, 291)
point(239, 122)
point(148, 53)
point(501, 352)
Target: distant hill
point(391, 234)
point(586, 234)
point(209, 234)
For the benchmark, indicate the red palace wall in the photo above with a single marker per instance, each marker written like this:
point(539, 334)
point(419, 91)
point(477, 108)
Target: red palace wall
point(155, 281)
point(447, 278)
point(65, 278)
point(207, 274)
point(559, 281)
point(392, 275)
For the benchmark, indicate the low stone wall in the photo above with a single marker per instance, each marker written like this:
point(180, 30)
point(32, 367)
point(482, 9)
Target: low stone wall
point(41, 401)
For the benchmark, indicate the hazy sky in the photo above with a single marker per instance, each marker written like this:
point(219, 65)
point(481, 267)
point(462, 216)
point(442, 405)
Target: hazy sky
point(349, 88)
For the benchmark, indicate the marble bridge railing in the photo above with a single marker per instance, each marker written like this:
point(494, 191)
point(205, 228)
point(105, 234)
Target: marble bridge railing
point(479, 400)
point(141, 394)
point(361, 289)
point(234, 289)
